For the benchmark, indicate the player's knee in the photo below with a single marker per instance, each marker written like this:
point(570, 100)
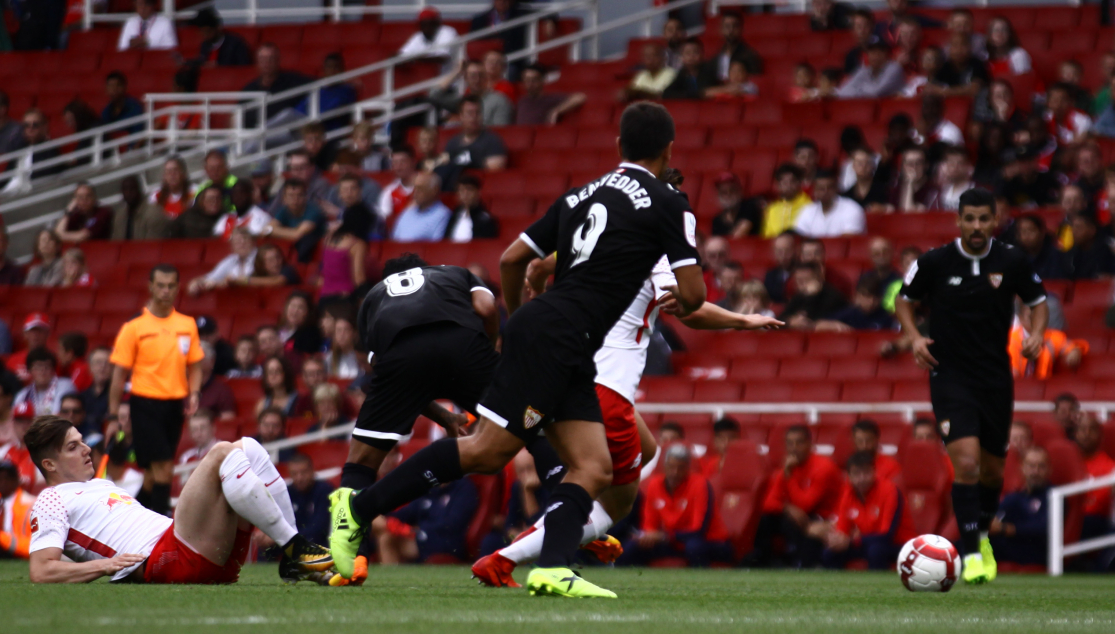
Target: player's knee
point(967, 469)
point(220, 451)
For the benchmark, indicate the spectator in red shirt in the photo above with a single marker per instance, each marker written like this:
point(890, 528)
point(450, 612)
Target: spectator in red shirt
point(74, 272)
point(72, 347)
point(680, 517)
point(1097, 503)
point(85, 219)
point(805, 489)
point(13, 451)
point(724, 431)
point(36, 328)
point(715, 257)
point(865, 436)
point(872, 521)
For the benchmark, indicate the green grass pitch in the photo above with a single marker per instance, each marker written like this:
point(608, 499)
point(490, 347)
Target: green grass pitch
point(444, 599)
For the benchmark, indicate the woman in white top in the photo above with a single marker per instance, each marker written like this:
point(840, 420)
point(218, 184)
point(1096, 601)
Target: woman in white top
point(1004, 55)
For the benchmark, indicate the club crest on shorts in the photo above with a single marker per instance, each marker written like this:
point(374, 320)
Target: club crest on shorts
point(996, 279)
point(531, 417)
point(945, 428)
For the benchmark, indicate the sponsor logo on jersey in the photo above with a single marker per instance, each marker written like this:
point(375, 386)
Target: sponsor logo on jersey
point(34, 525)
point(184, 344)
point(996, 279)
point(531, 417)
point(691, 229)
point(115, 499)
point(945, 428)
point(954, 281)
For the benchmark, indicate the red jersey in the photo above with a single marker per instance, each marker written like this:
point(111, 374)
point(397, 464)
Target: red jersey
point(887, 468)
point(691, 508)
point(1098, 501)
point(18, 455)
point(882, 511)
point(17, 363)
point(714, 292)
point(813, 486)
point(1075, 125)
point(78, 372)
point(708, 465)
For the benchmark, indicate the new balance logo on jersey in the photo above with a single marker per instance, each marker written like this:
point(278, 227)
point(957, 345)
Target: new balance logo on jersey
point(531, 417)
point(954, 281)
point(553, 507)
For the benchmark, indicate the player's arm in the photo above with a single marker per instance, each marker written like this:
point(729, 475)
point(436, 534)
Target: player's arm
point(47, 567)
point(452, 423)
point(919, 345)
point(713, 317)
point(513, 271)
point(116, 388)
point(540, 270)
point(1039, 317)
point(690, 292)
point(484, 305)
point(286, 233)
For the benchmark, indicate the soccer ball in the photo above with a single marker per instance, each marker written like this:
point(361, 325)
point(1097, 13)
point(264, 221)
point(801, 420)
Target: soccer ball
point(928, 563)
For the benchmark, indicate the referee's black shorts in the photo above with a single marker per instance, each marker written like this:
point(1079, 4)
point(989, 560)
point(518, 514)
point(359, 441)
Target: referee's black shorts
point(156, 428)
point(546, 373)
point(965, 408)
point(423, 363)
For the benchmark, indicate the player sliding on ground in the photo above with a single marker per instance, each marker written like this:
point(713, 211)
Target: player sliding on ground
point(608, 236)
point(970, 286)
point(619, 368)
point(105, 532)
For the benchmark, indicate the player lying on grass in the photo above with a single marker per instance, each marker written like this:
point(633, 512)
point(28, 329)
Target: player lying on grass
point(105, 532)
point(619, 368)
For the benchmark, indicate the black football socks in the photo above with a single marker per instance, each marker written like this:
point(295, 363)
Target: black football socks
point(988, 505)
point(437, 464)
point(546, 462)
point(160, 498)
point(566, 514)
point(356, 476)
point(966, 507)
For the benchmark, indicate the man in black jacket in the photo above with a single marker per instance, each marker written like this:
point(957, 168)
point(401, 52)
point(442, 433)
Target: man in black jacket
point(218, 46)
point(471, 219)
point(695, 74)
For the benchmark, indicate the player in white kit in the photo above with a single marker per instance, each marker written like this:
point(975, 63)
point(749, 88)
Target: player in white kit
point(619, 368)
point(105, 532)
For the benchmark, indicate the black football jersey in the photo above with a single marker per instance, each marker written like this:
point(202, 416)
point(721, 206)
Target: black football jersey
point(608, 235)
point(416, 297)
point(971, 306)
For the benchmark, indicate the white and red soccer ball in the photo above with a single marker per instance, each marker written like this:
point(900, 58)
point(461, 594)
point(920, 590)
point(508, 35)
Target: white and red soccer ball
point(928, 563)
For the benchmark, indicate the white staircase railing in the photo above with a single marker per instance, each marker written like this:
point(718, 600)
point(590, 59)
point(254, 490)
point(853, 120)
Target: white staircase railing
point(1058, 549)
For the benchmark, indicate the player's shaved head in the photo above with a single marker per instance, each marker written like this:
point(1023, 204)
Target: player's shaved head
point(45, 437)
point(646, 131)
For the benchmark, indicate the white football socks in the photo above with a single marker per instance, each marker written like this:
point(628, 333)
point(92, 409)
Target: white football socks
point(265, 469)
point(248, 497)
point(529, 547)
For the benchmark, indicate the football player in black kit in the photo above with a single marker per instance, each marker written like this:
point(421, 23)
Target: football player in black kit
point(607, 235)
point(969, 286)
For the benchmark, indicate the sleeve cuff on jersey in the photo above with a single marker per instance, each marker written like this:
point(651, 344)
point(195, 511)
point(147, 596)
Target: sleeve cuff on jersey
point(370, 355)
point(492, 416)
point(482, 288)
point(680, 263)
point(530, 243)
point(1036, 301)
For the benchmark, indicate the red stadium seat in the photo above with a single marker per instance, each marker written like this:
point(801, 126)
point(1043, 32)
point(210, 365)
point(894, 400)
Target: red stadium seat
point(751, 369)
point(852, 368)
point(72, 300)
point(926, 486)
point(866, 391)
point(781, 344)
point(739, 488)
point(717, 392)
point(665, 390)
point(805, 368)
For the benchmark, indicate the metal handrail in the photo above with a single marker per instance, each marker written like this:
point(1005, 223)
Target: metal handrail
point(1058, 550)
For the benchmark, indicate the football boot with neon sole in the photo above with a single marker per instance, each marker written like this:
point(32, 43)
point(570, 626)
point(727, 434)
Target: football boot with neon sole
point(990, 568)
point(563, 582)
point(347, 533)
point(974, 571)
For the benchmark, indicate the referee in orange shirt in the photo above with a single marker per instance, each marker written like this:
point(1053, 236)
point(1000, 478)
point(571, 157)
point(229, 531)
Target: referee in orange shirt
point(161, 349)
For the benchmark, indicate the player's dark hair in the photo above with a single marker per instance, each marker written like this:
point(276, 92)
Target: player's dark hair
point(861, 460)
point(977, 197)
point(41, 354)
point(645, 131)
point(404, 262)
point(788, 168)
point(163, 268)
point(75, 343)
point(866, 425)
point(674, 427)
point(805, 144)
point(800, 429)
point(45, 438)
point(725, 424)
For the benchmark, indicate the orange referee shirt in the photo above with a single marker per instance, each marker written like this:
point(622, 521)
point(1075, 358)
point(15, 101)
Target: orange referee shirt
point(157, 351)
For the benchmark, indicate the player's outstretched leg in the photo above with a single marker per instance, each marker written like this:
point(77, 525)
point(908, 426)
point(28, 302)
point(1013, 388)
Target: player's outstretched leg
point(965, 455)
point(249, 498)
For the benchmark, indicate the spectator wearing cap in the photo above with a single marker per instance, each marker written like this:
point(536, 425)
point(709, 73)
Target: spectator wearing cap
point(433, 40)
point(880, 77)
point(830, 215)
point(219, 47)
point(46, 389)
point(426, 218)
point(36, 329)
point(13, 450)
point(240, 264)
point(694, 76)
point(15, 513)
point(471, 219)
point(1090, 257)
point(10, 272)
point(147, 30)
point(738, 217)
point(536, 107)
point(263, 183)
point(209, 333)
point(864, 313)
point(85, 219)
point(95, 397)
point(653, 79)
point(781, 214)
point(680, 517)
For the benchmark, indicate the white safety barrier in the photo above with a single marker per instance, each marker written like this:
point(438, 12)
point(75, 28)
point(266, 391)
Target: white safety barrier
point(1058, 549)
